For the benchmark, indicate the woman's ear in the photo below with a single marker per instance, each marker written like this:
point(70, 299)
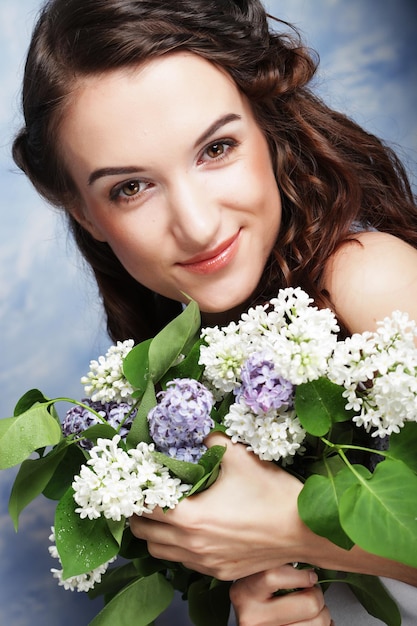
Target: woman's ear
point(78, 212)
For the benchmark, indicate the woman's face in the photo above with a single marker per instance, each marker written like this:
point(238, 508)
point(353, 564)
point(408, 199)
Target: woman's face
point(175, 175)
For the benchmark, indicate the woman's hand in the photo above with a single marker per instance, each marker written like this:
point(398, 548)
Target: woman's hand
point(248, 522)
point(245, 523)
point(255, 604)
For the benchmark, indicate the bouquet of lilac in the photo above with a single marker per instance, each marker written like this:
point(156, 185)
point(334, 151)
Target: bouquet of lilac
point(341, 415)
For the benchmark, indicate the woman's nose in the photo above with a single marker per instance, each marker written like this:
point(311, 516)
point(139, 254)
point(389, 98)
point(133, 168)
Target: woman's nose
point(194, 213)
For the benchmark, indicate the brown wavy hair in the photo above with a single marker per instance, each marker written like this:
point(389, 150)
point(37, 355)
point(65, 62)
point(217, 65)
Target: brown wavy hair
point(330, 172)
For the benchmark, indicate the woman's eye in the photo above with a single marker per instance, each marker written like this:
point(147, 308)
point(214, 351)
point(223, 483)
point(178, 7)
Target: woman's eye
point(131, 188)
point(216, 150)
point(127, 190)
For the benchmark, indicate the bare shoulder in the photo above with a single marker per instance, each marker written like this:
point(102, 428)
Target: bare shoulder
point(370, 277)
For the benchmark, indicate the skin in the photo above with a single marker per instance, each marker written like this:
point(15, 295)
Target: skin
point(255, 604)
point(204, 533)
point(197, 176)
point(210, 195)
point(367, 282)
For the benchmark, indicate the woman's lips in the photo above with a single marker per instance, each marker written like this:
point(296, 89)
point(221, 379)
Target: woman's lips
point(213, 260)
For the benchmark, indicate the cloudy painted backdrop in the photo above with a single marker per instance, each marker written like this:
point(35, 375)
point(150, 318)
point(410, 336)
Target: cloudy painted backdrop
point(51, 324)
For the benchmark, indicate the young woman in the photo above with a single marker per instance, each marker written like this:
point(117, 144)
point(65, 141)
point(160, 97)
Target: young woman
point(191, 158)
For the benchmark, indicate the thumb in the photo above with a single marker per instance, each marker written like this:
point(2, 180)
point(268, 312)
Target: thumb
point(235, 454)
point(217, 438)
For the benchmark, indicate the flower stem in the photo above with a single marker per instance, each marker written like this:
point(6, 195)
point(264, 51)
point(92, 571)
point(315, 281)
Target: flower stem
point(81, 404)
point(340, 447)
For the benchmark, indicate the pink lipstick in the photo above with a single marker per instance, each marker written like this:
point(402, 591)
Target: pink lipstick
point(213, 260)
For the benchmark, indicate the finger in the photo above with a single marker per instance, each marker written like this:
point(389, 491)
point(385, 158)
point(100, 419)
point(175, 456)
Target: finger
point(322, 619)
point(301, 608)
point(304, 605)
point(153, 530)
point(216, 439)
point(166, 542)
point(234, 451)
point(158, 515)
point(287, 577)
point(264, 584)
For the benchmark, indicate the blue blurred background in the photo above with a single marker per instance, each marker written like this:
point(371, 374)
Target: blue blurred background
point(51, 323)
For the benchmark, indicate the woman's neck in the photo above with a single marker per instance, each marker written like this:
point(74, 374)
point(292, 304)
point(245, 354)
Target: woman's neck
point(224, 317)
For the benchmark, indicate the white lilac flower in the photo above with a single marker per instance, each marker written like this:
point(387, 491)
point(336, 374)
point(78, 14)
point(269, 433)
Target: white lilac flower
point(352, 361)
point(262, 388)
point(273, 436)
point(181, 420)
point(398, 328)
point(119, 415)
point(290, 302)
point(223, 356)
point(105, 382)
point(301, 337)
point(218, 394)
point(379, 373)
point(255, 322)
point(116, 483)
point(388, 403)
point(304, 340)
point(82, 582)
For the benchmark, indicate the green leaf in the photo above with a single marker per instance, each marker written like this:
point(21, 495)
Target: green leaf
point(32, 478)
point(212, 457)
point(379, 512)
point(187, 472)
point(374, 597)
point(210, 460)
point(318, 504)
point(136, 366)
point(139, 430)
point(202, 474)
point(403, 446)
point(148, 565)
point(113, 580)
point(103, 431)
point(208, 602)
point(132, 547)
point(67, 468)
point(331, 465)
point(116, 529)
point(187, 368)
point(170, 342)
point(31, 397)
point(136, 550)
point(319, 404)
point(220, 412)
point(138, 603)
point(25, 433)
point(83, 544)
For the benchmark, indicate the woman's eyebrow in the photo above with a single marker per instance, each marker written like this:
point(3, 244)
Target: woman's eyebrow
point(213, 128)
point(132, 169)
point(112, 171)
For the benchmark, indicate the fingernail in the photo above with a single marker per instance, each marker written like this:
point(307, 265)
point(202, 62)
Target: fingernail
point(313, 577)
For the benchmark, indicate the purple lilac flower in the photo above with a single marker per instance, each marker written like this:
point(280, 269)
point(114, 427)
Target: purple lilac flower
point(78, 418)
point(181, 420)
point(116, 414)
point(262, 388)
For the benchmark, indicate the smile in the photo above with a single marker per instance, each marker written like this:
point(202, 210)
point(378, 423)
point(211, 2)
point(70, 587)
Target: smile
point(213, 260)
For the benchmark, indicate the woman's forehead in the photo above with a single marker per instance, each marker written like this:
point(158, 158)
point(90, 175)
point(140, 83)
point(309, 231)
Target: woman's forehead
point(172, 100)
point(169, 88)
